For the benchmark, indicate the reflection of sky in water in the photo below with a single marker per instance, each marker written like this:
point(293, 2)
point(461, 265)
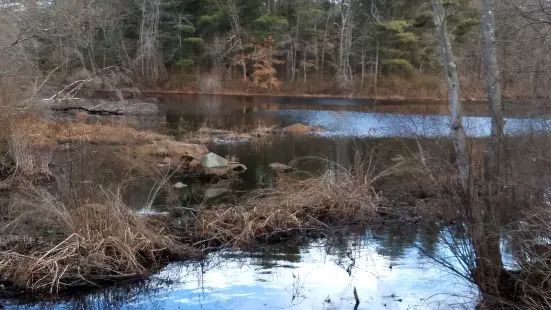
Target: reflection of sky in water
point(306, 278)
point(396, 125)
point(242, 284)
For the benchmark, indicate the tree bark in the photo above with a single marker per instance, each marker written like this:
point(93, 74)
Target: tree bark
point(485, 226)
point(495, 153)
point(452, 79)
point(323, 47)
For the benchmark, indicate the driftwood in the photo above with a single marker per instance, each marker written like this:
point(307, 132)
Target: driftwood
point(102, 107)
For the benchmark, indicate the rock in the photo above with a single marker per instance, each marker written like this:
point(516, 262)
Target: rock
point(179, 185)
point(181, 149)
point(239, 168)
point(300, 128)
point(195, 164)
point(216, 192)
point(213, 161)
point(280, 167)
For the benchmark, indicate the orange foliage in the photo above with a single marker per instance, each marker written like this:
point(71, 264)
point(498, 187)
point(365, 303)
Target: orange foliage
point(264, 74)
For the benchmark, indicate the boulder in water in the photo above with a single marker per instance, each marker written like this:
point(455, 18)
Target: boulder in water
point(179, 185)
point(213, 161)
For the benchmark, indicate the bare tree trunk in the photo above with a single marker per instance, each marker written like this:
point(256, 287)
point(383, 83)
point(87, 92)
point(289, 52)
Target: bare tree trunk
point(148, 51)
point(495, 153)
point(452, 79)
point(294, 46)
point(345, 40)
point(376, 66)
point(323, 47)
point(363, 68)
point(316, 56)
point(485, 230)
point(304, 65)
point(231, 7)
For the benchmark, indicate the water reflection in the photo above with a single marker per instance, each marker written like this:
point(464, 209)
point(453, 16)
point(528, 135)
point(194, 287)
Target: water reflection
point(385, 265)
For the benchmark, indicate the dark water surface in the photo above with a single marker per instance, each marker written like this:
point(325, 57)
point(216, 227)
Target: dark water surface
point(387, 265)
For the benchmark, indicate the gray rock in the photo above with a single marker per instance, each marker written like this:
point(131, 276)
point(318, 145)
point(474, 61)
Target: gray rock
point(211, 160)
point(179, 185)
point(216, 192)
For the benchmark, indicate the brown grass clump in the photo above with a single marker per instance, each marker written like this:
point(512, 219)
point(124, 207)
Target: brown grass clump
point(206, 133)
point(95, 242)
point(294, 205)
point(39, 132)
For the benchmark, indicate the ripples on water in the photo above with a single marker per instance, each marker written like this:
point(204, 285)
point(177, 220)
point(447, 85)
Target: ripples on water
point(357, 124)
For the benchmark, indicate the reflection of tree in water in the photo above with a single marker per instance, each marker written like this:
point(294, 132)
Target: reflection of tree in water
point(276, 255)
point(393, 239)
point(428, 237)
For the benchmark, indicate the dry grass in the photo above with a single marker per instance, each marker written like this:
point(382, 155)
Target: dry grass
point(96, 242)
point(207, 133)
point(296, 204)
point(39, 132)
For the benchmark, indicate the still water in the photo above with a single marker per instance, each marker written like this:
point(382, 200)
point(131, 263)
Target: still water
point(388, 265)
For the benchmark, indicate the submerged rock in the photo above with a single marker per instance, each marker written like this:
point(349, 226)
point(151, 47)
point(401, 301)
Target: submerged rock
point(179, 185)
point(236, 167)
point(300, 128)
point(212, 161)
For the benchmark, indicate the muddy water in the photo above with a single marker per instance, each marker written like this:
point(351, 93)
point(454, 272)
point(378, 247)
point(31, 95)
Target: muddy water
point(388, 265)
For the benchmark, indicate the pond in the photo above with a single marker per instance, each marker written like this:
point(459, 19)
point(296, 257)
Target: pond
point(388, 266)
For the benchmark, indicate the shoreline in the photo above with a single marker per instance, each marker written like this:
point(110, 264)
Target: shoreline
point(400, 99)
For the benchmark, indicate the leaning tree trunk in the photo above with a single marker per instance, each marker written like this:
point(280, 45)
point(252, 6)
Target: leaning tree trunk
point(485, 227)
point(452, 79)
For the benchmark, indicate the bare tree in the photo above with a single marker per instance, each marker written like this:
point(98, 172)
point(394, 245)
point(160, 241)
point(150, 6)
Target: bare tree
point(345, 41)
point(238, 33)
point(484, 230)
point(148, 60)
point(495, 154)
point(452, 79)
